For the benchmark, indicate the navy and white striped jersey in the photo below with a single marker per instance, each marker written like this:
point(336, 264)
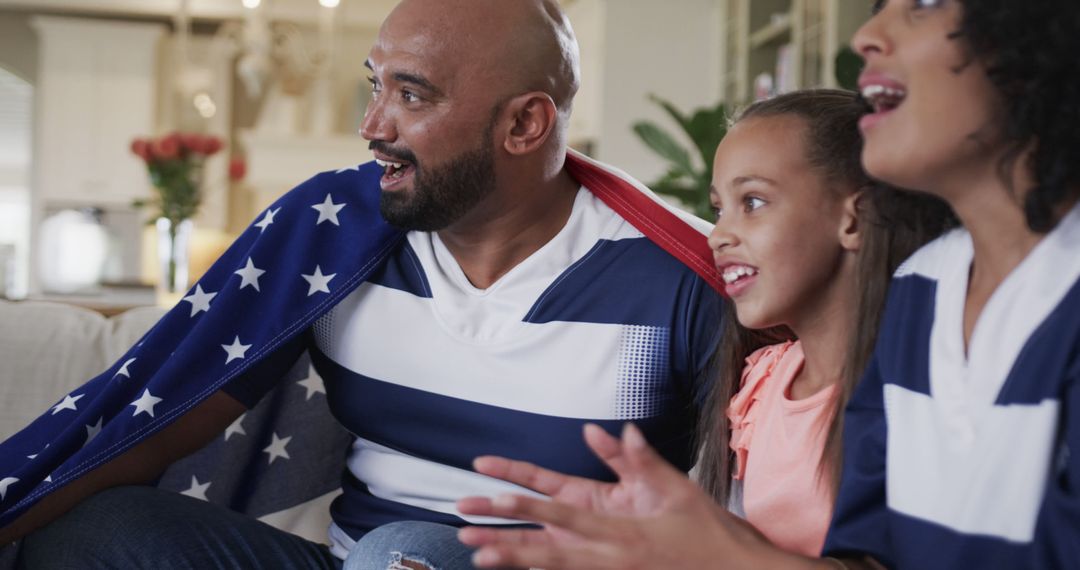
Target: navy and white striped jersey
point(429, 372)
point(957, 460)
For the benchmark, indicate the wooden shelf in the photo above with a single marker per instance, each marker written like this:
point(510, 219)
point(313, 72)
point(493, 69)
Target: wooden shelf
point(756, 31)
point(777, 30)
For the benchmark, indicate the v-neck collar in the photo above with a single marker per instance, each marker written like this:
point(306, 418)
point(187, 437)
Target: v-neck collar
point(1011, 315)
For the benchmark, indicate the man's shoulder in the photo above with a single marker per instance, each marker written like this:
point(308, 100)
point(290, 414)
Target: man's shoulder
point(359, 182)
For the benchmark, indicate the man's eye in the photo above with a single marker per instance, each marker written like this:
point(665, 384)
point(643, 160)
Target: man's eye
point(409, 96)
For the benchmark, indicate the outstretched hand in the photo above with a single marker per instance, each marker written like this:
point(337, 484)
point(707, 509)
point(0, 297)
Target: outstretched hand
point(653, 517)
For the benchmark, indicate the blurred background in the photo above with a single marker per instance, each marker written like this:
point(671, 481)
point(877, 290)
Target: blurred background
point(91, 90)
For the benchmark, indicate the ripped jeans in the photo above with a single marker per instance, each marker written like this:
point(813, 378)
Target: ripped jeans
point(410, 544)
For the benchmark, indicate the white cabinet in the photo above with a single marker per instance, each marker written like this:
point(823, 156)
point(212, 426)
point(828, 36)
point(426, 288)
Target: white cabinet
point(96, 92)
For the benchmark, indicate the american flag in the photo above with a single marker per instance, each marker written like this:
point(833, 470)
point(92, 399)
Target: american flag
point(301, 257)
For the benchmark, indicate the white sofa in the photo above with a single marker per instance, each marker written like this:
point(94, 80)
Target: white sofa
point(48, 349)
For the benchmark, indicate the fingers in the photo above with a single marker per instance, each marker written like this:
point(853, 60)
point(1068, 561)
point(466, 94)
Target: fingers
point(514, 537)
point(607, 447)
point(642, 458)
point(573, 519)
point(525, 557)
point(522, 473)
point(479, 506)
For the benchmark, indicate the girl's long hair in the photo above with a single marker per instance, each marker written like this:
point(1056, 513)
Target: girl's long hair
point(893, 225)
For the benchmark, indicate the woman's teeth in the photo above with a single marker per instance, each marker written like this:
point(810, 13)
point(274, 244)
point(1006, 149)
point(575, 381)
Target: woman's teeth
point(883, 98)
point(736, 272)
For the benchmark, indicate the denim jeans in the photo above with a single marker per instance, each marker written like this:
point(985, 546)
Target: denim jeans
point(143, 527)
point(434, 545)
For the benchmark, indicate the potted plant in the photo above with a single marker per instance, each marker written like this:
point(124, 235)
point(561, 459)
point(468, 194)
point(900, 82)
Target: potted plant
point(690, 171)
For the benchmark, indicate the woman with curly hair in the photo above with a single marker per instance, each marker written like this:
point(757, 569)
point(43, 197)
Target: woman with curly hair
point(960, 442)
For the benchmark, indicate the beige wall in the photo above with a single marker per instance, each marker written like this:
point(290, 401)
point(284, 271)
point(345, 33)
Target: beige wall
point(631, 48)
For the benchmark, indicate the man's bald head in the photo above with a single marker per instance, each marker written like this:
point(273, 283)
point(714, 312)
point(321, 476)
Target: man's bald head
point(470, 106)
point(508, 46)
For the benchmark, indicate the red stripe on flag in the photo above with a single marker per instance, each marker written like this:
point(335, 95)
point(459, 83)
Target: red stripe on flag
point(660, 225)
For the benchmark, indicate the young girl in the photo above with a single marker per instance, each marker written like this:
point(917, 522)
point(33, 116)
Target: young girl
point(801, 233)
point(793, 197)
point(960, 441)
point(794, 209)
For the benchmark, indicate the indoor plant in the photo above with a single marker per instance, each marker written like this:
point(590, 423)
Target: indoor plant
point(175, 164)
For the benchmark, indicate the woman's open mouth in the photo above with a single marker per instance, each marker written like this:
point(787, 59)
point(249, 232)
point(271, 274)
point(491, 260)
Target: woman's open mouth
point(883, 99)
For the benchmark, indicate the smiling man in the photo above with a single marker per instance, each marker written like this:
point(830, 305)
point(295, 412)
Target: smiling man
point(494, 294)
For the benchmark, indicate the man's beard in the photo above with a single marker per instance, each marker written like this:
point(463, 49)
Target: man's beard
point(442, 195)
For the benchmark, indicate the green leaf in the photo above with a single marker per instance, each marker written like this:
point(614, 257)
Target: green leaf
point(662, 143)
point(848, 66)
point(707, 127)
point(686, 194)
point(674, 113)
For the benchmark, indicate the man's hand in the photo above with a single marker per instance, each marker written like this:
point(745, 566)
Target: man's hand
point(141, 464)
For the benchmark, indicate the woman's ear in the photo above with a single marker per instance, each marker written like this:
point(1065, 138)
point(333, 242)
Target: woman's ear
point(533, 117)
point(851, 223)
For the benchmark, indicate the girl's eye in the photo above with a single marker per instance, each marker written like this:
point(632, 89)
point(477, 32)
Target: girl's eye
point(716, 212)
point(879, 5)
point(921, 4)
point(751, 203)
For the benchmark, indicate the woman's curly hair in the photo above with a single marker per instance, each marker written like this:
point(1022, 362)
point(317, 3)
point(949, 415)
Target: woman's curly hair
point(1031, 50)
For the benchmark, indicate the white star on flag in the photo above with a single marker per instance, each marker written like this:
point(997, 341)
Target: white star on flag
point(145, 404)
point(328, 211)
point(249, 275)
point(318, 282)
point(67, 404)
point(235, 350)
point(355, 167)
point(36, 454)
point(93, 430)
point(4, 484)
point(200, 300)
point(277, 448)
point(313, 384)
point(124, 369)
point(236, 427)
point(267, 219)
point(197, 490)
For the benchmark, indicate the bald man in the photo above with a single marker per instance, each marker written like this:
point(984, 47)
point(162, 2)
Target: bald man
point(517, 307)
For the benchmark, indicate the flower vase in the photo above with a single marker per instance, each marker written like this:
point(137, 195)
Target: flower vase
point(173, 244)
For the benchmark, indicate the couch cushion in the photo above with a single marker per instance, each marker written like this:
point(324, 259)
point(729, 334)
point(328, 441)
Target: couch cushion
point(48, 349)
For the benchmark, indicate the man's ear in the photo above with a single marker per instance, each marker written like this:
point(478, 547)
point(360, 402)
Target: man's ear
point(532, 119)
point(852, 220)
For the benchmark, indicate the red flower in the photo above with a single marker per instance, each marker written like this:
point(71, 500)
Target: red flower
point(191, 142)
point(237, 168)
point(211, 145)
point(141, 149)
point(167, 147)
